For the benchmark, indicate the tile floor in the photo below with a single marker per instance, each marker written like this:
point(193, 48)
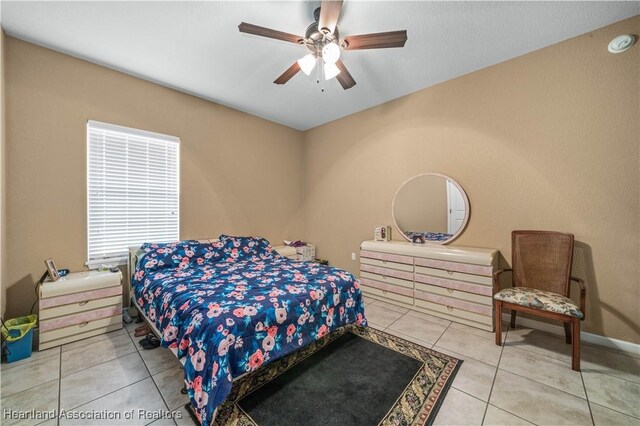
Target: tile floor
point(527, 381)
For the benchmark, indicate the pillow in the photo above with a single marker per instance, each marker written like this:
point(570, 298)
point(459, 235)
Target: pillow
point(241, 248)
point(178, 254)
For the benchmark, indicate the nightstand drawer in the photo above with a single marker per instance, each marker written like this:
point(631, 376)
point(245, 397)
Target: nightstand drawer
point(68, 299)
point(78, 329)
point(80, 319)
point(83, 306)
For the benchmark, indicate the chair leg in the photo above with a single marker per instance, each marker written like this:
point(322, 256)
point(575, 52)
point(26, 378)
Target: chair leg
point(567, 332)
point(513, 318)
point(575, 359)
point(498, 323)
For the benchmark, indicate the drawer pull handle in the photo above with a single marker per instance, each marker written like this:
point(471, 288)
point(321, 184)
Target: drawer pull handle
point(384, 291)
point(450, 272)
point(82, 324)
point(450, 308)
point(83, 303)
point(450, 290)
point(384, 277)
point(384, 261)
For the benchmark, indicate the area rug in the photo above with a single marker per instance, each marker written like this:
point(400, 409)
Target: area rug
point(354, 376)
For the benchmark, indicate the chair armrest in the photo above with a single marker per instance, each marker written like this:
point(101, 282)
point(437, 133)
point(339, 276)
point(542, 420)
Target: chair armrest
point(583, 294)
point(496, 279)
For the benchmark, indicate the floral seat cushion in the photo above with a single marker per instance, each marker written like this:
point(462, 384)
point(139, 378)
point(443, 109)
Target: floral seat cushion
point(538, 299)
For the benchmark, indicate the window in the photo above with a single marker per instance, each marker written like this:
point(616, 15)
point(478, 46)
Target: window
point(133, 190)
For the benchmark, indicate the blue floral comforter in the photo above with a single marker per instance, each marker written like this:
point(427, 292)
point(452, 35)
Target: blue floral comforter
point(231, 306)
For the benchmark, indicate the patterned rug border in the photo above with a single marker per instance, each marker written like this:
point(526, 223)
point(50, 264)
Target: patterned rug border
point(414, 406)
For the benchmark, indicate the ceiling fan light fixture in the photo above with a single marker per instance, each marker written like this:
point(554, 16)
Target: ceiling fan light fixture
point(330, 71)
point(307, 63)
point(330, 53)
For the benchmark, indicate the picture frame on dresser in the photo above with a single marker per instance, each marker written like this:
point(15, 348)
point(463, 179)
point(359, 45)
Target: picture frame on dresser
point(52, 271)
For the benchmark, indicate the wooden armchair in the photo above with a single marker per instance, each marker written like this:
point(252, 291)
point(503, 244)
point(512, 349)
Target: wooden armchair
point(541, 276)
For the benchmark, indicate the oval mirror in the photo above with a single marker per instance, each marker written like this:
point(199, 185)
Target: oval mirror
point(430, 208)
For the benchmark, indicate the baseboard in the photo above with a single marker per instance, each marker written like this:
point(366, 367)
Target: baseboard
point(595, 339)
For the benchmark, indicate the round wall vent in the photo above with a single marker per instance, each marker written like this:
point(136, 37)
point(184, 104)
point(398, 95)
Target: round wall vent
point(621, 43)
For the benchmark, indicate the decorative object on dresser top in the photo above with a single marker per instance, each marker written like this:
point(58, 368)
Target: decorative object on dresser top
point(451, 282)
point(79, 305)
point(540, 284)
point(430, 207)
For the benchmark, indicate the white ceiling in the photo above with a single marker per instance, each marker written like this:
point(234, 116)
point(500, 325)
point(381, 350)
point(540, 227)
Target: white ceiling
point(195, 47)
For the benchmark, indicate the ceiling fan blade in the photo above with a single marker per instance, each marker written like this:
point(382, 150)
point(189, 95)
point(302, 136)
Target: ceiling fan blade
point(344, 78)
point(329, 14)
point(268, 32)
point(375, 41)
point(290, 72)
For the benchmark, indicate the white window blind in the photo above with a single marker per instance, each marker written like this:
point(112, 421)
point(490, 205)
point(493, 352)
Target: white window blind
point(133, 190)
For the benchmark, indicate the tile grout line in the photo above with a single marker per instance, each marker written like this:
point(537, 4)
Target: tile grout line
point(504, 342)
point(593, 422)
point(440, 337)
point(95, 365)
point(615, 410)
point(59, 388)
point(166, 404)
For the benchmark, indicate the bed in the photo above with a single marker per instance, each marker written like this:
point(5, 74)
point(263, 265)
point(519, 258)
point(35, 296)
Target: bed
point(227, 307)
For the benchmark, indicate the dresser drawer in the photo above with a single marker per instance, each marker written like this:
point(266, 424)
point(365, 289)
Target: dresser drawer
point(454, 304)
point(452, 311)
point(387, 287)
point(455, 266)
point(386, 279)
point(83, 306)
point(482, 322)
point(382, 294)
point(385, 272)
point(80, 318)
point(457, 294)
point(387, 257)
point(78, 329)
point(387, 264)
point(456, 285)
point(486, 280)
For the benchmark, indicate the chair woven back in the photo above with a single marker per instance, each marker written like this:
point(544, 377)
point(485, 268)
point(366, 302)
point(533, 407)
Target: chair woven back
point(542, 260)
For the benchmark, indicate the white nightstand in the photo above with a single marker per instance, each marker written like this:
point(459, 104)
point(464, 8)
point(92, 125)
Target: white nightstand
point(80, 305)
point(287, 251)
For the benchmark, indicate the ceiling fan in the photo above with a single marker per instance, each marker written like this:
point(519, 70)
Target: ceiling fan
point(323, 40)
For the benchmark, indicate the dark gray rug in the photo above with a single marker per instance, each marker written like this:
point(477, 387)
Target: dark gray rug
point(355, 376)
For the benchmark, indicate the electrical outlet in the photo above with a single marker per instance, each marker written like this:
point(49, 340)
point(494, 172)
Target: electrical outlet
point(353, 256)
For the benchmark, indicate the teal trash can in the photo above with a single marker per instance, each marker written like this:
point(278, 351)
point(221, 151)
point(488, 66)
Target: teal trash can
point(17, 335)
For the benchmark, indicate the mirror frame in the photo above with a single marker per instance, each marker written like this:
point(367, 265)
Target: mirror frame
point(467, 208)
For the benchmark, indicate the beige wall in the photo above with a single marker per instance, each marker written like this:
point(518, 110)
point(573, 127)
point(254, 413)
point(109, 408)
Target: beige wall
point(239, 174)
point(3, 186)
point(549, 140)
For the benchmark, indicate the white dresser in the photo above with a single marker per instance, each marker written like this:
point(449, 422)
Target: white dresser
point(451, 282)
point(80, 305)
